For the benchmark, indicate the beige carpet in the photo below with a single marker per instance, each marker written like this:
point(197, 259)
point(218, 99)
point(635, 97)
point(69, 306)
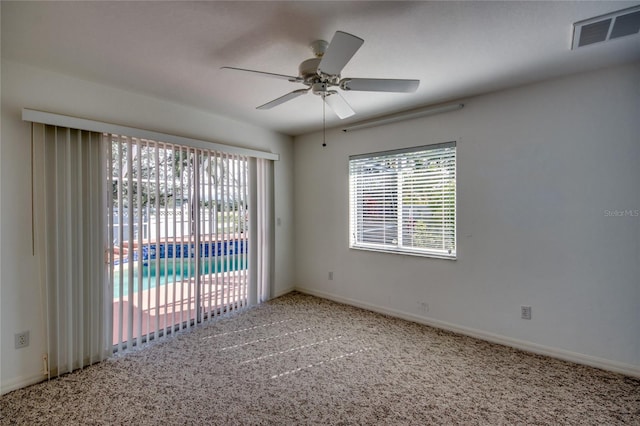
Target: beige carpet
point(303, 360)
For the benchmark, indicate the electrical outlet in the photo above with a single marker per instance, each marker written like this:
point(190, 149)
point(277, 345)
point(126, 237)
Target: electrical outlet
point(525, 312)
point(22, 340)
point(331, 276)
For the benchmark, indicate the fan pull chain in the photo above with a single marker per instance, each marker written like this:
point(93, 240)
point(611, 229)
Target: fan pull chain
point(324, 121)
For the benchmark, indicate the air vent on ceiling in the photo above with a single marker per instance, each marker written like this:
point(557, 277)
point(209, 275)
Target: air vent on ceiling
point(606, 27)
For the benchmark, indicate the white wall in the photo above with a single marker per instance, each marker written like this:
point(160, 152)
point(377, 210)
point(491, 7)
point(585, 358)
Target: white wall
point(25, 86)
point(538, 167)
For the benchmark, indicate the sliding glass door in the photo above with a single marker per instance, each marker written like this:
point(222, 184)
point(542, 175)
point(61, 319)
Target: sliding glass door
point(178, 222)
point(136, 239)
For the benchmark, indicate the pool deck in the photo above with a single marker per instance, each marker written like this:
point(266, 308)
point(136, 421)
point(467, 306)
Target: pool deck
point(162, 307)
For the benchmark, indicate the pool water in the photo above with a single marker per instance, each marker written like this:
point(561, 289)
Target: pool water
point(172, 270)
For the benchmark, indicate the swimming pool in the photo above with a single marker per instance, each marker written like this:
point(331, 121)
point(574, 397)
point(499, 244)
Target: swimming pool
point(170, 271)
point(163, 263)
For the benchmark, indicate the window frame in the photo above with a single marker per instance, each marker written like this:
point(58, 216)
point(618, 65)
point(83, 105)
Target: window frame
point(355, 233)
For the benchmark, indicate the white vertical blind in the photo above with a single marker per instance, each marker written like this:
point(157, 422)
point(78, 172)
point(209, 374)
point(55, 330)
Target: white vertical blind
point(183, 257)
point(223, 232)
point(261, 230)
point(173, 248)
point(404, 201)
point(69, 233)
point(265, 228)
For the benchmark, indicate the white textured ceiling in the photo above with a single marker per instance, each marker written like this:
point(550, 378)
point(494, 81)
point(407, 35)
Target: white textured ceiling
point(174, 50)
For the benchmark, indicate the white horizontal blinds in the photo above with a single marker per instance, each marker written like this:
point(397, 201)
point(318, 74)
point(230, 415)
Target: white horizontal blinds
point(405, 200)
point(429, 197)
point(69, 223)
point(375, 182)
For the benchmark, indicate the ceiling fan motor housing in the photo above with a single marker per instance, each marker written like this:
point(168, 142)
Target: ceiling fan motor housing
point(308, 70)
point(319, 88)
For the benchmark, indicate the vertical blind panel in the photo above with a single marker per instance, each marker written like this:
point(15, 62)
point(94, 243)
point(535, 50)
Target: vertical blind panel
point(404, 201)
point(178, 236)
point(264, 212)
point(68, 221)
point(172, 250)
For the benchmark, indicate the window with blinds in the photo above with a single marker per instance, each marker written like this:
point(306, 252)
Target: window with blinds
point(404, 201)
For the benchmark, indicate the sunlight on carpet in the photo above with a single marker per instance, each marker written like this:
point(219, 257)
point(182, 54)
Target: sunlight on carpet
point(299, 359)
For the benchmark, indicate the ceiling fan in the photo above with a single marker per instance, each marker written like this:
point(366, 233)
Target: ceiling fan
point(321, 75)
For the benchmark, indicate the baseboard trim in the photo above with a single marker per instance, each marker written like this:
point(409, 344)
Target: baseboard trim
point(282, 292)
point(21, 382)
point(575, 357)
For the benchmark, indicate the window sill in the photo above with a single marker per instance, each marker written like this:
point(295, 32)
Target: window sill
point(404, 252)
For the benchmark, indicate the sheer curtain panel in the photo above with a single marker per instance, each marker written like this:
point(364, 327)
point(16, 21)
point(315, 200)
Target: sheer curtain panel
point(69, 235)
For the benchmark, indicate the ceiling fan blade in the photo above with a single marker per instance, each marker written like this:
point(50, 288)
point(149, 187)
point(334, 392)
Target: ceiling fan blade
point(283, 99)
point(338, 104)
point(379, 85)
point(267, 74)
point(341, 49)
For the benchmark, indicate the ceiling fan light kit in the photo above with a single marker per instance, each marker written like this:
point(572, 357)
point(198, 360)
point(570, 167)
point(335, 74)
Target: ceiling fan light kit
point(321, 75)
point(318, 47)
